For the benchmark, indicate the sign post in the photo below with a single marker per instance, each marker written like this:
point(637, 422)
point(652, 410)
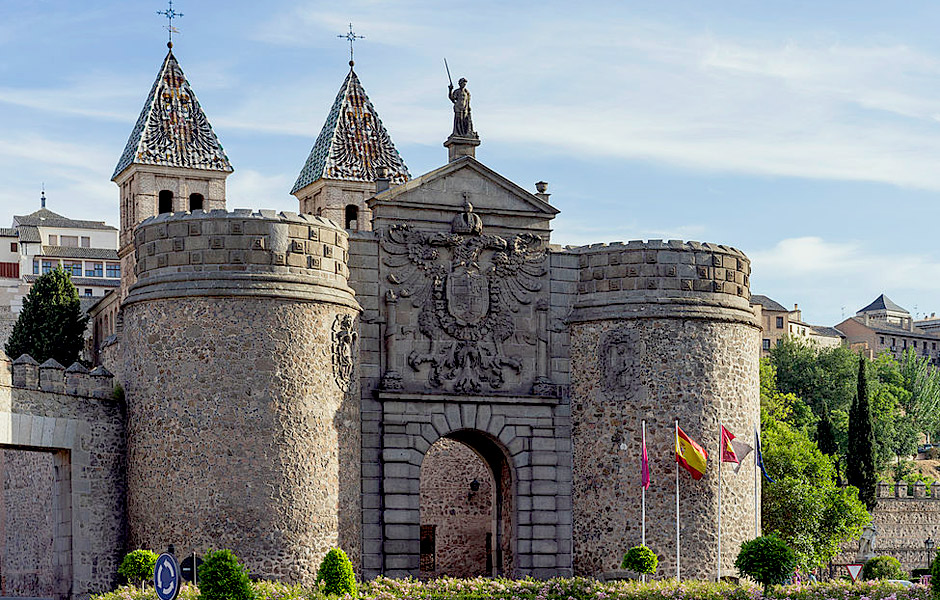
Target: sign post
point(166, 577)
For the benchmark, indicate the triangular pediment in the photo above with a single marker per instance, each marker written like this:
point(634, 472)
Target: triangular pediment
point(172, 129)
point(460, 181)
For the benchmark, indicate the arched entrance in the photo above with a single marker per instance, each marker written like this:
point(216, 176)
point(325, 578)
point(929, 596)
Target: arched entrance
point(466, 508)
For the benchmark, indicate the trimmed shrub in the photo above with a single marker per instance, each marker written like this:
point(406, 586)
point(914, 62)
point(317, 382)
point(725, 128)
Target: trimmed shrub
point(336, 573)
point(883, 567)
point(935, 575)
point(767, 560)
point(640, 559)
point(223, 577)
point(137, 567)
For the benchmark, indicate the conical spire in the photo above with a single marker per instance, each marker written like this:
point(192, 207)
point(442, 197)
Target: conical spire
point(172, 129)
point(352, 143)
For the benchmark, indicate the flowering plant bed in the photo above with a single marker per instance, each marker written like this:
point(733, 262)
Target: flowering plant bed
point(574, 588)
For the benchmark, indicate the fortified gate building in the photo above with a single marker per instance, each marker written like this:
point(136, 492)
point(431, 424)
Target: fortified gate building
point(407, 368)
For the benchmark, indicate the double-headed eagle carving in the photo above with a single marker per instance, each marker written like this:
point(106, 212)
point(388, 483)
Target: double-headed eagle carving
point(468, 287)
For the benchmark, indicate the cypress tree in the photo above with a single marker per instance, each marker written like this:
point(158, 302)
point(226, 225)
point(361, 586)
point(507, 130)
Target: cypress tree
point(860, 460)
point(51, 324)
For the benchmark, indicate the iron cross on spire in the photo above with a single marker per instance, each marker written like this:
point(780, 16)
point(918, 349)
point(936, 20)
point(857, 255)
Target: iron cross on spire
point(351, 37)
point(170, 14)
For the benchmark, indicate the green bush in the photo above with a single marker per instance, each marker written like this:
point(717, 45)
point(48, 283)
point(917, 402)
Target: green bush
point(883, 567)
point(222, 577)
point(640, 559)
point(336, 573)
point(768, 560)
point(935, 575)
point(137, 566)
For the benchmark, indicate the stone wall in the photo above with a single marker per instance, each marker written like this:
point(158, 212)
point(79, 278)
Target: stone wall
point(660, 331)
point(905, 517)
point(244, 415)
point(462, 517)
point(27, 530)
point(74, 434)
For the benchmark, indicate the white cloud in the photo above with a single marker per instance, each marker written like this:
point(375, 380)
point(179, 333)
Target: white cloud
point(246, 188)
point(825, 277)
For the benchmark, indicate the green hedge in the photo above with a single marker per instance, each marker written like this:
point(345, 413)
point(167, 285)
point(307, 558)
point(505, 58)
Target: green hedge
point(576, 588)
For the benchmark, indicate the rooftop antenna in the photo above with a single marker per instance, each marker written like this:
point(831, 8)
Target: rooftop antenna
point(351, 37)
point(42, 197)
point(170, 14)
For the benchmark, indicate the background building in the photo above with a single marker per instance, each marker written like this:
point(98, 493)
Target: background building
point(885, 326)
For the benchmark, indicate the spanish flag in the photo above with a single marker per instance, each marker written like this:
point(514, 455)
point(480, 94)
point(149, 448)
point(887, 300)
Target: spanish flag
point(690, 455)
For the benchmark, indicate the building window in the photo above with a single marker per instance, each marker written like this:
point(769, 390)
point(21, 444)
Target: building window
point(113, 270)
point(427, 547)
point(49, 265)
point(905, 344)
point(779, 322)
point(86, 241)
point(766, 344)
point(35, 266)
point(894, 342)
point(352, 216)
point(94, 269)
point(915, 343)
point(933, 346)
point(165, 203)
point(14, 247)
point(882, 340)
point(73, 268)
point(53, 240)
point(195, 202)
point(88, 291)
point(69, 241)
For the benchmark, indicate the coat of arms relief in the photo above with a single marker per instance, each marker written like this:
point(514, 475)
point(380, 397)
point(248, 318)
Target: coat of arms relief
point(472, 292)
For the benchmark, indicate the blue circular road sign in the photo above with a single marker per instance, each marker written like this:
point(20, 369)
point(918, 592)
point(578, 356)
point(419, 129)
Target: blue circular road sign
point(166, 577)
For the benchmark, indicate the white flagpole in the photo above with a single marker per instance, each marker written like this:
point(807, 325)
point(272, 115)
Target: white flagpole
point(643, 496)
point(756, 485)
point(677, 506)
point(720, 452)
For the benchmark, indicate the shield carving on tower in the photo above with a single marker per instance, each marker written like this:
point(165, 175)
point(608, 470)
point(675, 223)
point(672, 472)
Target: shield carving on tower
point(468, 295)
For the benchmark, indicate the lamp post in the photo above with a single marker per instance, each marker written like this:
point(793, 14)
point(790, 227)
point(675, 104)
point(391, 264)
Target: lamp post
point(928, 547)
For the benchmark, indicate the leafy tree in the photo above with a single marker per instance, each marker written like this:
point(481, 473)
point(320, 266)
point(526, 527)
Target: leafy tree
point(223, 577)
point(860, 459)
point(923, 383)
point(883, 567)
point(767, 560)
point(137, 567)
point(804, 505)
point(336, 573)
point(777, 406)
point(51, 324)
point(640, 559)
point(935, 575)
point(823, 378)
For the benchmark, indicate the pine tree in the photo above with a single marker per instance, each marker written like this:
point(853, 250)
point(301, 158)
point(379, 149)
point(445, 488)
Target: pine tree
point(860, 460)
point(51, 324)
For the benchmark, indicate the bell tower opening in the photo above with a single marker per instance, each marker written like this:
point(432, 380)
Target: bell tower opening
point(352, 217)
point(195, 202)
point(165, 202)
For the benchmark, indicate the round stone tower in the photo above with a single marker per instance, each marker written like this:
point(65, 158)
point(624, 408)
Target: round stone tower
point(661, 331)
point(240, 349)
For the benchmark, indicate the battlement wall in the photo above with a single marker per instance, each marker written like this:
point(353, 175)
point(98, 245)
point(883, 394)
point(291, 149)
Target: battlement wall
point(72, 431)
point(657, 278)
point(241, 253)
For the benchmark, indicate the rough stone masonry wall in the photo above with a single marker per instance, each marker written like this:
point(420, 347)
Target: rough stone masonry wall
point(71, 526)
point(243, 417)
point(462, 517)
point(659, 332)
point(905, 518)
point(27, 528)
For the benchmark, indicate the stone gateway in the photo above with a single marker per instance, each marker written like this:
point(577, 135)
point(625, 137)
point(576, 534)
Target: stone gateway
point(407, 368)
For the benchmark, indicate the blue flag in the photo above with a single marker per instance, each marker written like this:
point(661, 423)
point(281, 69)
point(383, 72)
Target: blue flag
point(759, 456)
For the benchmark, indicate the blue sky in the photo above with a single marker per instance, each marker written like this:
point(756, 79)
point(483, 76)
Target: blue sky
point(805, 133)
